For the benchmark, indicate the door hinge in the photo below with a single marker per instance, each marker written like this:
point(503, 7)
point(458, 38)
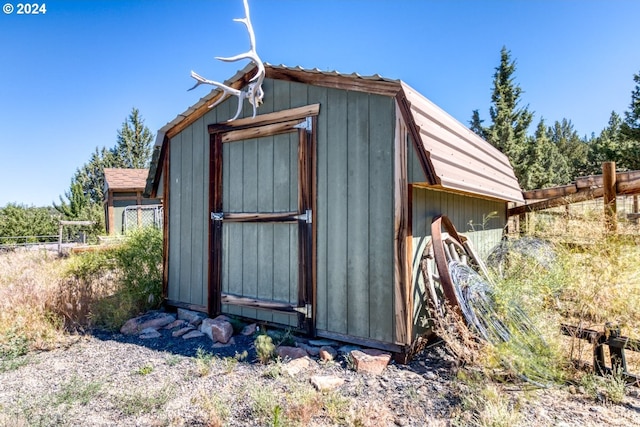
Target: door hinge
point(217, 216)
point(306, 125)
point(307, 310)
point(307, 216)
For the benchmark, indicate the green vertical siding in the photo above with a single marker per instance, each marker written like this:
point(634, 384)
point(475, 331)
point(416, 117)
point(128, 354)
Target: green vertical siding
point(470, 215)
point(354, 216)
point(189, 213)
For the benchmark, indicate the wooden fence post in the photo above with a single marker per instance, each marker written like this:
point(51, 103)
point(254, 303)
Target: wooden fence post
point(609, 184)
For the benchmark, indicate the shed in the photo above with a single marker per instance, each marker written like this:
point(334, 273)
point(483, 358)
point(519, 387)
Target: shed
point(314, 214)
point(125, 206)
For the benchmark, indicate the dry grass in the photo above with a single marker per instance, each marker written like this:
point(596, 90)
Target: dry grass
point(598, 276)
point(43, 296)
point(595, 279)
point(28, 286)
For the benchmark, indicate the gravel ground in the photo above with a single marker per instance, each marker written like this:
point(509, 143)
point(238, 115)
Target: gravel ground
point(108, 379)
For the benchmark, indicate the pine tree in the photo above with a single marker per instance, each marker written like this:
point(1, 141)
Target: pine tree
point(91, 175)
point(133, 149)
point(475, 124)
point(606, 147)
point(630, 129)
point(509, 122)
point(571, 147)
point(76, 206)
point(546, 167)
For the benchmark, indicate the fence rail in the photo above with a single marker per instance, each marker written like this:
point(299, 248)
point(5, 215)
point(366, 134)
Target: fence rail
point(20, 241)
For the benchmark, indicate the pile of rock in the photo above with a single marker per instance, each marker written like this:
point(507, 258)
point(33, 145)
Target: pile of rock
point(187, 324)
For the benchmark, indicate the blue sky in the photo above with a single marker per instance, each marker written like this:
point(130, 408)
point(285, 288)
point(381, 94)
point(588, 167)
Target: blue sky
point(69, 78)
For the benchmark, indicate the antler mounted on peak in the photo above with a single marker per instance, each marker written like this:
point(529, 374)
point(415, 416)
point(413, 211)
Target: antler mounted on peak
point(253, 92)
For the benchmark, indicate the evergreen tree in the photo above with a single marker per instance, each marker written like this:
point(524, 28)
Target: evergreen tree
point(133, 149)
point(80, 207)
point(91, 175)
point(631, 126)
point(613, 145)
point(78, 203)
point(475, 124)
point(509, 122)
point(571, 148)
point(546, 167)
point(630, 129)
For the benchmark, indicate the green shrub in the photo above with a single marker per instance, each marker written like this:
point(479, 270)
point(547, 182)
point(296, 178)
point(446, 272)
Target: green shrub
point(106, 288)
point(140, 263)
point(265, 349)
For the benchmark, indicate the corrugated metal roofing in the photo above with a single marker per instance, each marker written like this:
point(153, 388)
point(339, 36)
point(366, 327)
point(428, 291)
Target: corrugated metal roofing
point(125, 179)
point(461, 160)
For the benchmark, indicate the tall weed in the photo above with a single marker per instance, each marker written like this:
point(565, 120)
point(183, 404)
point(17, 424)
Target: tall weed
point(27, 287)
point(43, 295)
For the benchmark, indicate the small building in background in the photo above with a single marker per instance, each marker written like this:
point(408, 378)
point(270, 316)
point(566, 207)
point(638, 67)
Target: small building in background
point(125, 207)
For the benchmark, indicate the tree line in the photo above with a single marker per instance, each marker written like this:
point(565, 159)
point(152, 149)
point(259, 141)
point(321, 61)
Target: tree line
point(554, 154)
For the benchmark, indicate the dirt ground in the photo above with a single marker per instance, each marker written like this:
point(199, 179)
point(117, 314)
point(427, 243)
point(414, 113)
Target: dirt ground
point(105, 379)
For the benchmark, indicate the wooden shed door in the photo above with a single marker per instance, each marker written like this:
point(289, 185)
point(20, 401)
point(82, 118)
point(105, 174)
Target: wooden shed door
point(261, 222)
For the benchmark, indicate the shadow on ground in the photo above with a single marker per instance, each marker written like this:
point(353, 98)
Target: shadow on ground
point(180, 346)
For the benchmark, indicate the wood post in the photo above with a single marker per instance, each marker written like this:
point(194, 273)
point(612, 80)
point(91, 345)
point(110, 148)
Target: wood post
point(609, 184)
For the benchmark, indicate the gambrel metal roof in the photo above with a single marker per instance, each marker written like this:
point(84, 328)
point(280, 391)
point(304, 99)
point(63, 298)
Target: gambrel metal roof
point(453, 157)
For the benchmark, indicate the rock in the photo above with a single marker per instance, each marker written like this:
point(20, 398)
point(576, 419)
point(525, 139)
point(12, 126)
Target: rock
point(180, 332)
point(285, 352)
point(327, 353)
point(223, 345)
point(249, 329)
point(346, 349)
point(192, 317)
point(323, 342)
point(326, 382)
point(149, 333)
point(205, 327)
point(154, 320)
point(295, 366)
point(313, 351)
point(370, 361)
point(176, 324)
point(193, 334)
point(221, 331)
point(399, 421)
point(430, 375)
point(218, 329)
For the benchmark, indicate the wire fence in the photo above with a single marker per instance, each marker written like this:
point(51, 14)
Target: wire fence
point(18, 241)
point(141, 216)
